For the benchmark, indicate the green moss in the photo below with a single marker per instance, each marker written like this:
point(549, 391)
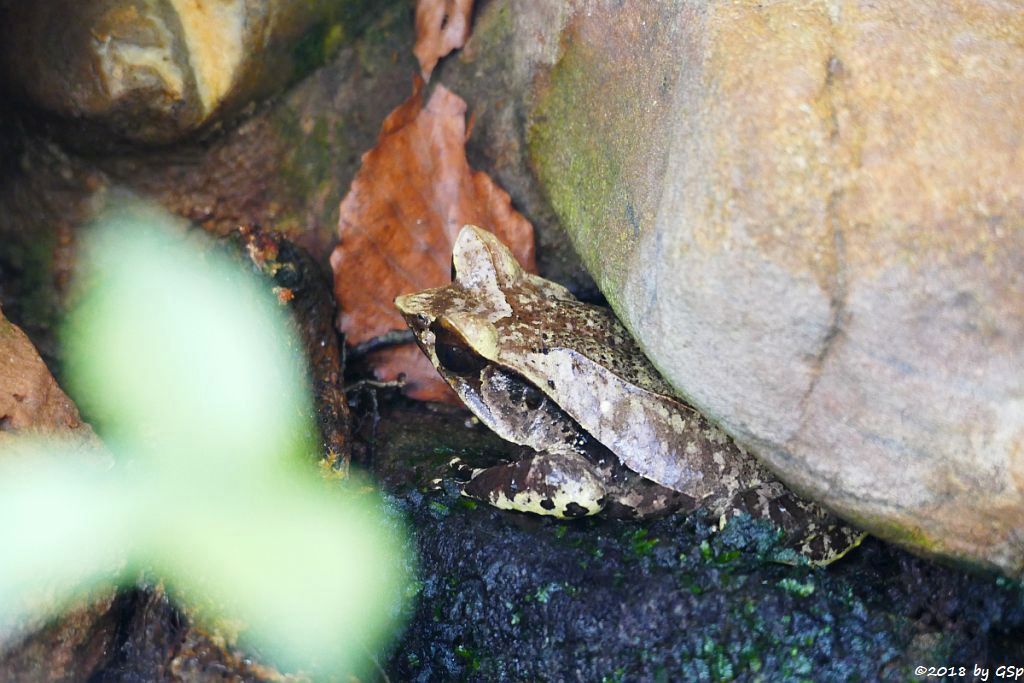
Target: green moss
point(580, 171)
point(344, 20)
point(311, 152)
point(640, 544)
point(30, 298)
point(494, 38)
point(469, 658)
point(439, 509)
point(616, 676)
point(388, 38)
point(597, 137)
point(544, 593)
point(315, 46)
point(791, 585)
point(919, 540)
point(903, 535)
point(333, 39)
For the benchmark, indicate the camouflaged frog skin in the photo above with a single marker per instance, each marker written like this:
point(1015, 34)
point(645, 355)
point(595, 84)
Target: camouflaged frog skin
point(566, 379)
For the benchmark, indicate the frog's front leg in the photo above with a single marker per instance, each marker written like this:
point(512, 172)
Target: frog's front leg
point(559, 485)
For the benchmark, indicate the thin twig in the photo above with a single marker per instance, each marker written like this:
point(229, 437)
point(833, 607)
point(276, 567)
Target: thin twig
point(383, 341)
point(375, 384)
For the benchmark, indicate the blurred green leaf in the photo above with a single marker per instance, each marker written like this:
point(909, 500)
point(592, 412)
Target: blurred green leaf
point(190, 371)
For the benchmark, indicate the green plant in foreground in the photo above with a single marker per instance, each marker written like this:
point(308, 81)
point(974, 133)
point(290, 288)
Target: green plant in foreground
point(188, 368)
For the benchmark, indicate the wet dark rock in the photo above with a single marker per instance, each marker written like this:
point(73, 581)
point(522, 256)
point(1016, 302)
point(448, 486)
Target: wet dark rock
point(506, 596)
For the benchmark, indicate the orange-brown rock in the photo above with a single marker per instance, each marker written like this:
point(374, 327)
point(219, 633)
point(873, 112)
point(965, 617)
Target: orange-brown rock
point(152, 71)
point(30, 399)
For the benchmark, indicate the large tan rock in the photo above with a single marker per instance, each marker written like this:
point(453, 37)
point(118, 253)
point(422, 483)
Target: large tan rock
point(811, 214)
point(154, 70)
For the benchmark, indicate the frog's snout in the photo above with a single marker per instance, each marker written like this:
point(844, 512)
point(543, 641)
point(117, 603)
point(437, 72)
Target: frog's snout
point(402, 302)
point(415, 317)
point(408, 306)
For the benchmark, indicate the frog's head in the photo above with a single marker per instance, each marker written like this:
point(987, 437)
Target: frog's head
point(454, 324)
point(455, 340)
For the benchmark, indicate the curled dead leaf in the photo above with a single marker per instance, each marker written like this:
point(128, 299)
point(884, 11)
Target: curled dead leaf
point(412, 195)
point(441, 26)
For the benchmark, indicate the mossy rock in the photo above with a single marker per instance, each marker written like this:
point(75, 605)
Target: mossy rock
point(811, 215)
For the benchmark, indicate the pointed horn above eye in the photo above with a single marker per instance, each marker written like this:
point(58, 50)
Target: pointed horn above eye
point(479, 253)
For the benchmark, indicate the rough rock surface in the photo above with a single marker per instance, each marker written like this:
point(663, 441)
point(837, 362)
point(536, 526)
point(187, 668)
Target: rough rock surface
point(510, 597)
point(494, 74)
point(152, 71)
point(810, 215)
point(133, 635)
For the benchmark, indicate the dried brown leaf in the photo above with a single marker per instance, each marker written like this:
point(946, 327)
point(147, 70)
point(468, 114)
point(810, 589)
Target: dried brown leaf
point(412, 195)
point(441, 26)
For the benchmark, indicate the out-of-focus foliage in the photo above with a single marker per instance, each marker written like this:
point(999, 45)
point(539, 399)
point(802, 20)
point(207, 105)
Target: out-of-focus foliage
point(187, 368)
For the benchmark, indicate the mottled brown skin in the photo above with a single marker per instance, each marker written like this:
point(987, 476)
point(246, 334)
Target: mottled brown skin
point(565, 378)
point(571, 474)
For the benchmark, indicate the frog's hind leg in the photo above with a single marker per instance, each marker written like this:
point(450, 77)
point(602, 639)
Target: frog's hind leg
point(563, 485)
point(809, 529)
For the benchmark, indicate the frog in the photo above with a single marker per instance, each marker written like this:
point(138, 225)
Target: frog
point(602, 432)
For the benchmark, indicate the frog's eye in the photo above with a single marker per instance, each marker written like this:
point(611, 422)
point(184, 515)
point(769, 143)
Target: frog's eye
point(458, 359)
point(453, 354)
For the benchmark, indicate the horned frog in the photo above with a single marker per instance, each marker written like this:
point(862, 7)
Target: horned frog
point(604, 431)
